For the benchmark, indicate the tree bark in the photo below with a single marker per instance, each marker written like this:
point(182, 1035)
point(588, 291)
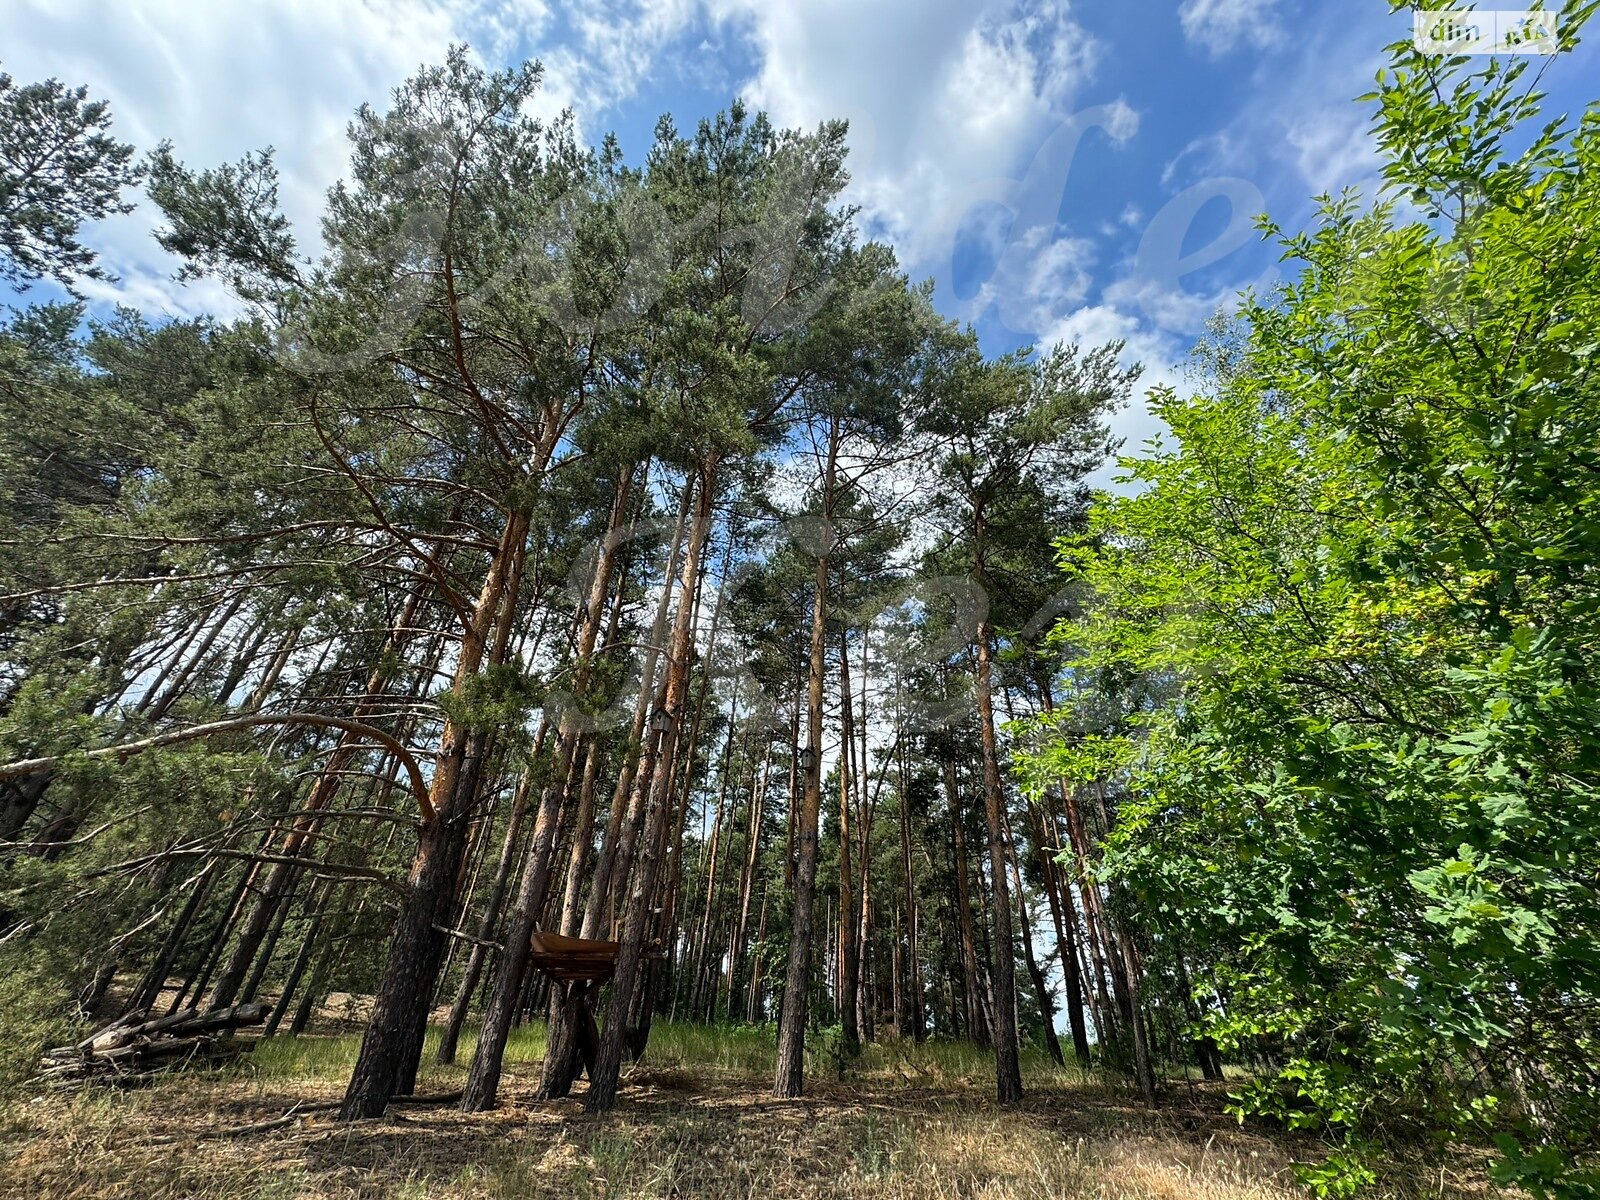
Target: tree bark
point(622, 825)
point(306, 825)
point(1003, 982)
point(392, 1043)
point(608, 1060)
point(911, 969)
point(849, 916)
point(977, 1028)
point(790, 1075)
point(451, 1038)
point(1041, 988)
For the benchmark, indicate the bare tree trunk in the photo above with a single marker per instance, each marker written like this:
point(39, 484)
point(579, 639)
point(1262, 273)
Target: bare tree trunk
point(622, 825)
point(972, 996)
point(1041, 988)
point(912, 968)
point(155, 706)
point(392, 1044)
point(301, 960)
point(713, 853)
point(756, 810)
point(1144, 1068)
point(1066, 940)
point(1093, 924)
point(148, 990)
point(1205, 1048)
point(326, 960)
point(1008, 1070)
point(491, 919)
point(753, 1005)
point(849, 956)
point(582, 842)
point(264, 958)
point(790, 1076)
point(608, 1061)
point(309, 821)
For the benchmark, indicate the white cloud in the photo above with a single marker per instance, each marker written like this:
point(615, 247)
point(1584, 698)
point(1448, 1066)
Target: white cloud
point(1201, 156)
point(1043, 274)
point(219, 80)
point(946, 99)
point(613, 47)
point(1292, 141)
point(1224, 25)
point(1332, 148)
point(1169, 305)
point(949, 101)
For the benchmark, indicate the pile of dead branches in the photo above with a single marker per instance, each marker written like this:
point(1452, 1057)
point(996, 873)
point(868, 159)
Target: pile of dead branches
point(136, 1047)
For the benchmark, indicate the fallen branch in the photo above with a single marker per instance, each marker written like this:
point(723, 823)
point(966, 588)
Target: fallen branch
point(289, 1118)
point(134, 1049)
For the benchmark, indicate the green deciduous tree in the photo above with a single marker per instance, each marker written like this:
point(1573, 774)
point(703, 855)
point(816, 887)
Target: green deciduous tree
point(1363, 784)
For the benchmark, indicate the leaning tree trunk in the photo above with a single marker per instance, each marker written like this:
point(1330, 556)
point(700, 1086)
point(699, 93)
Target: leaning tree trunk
point(491, 918)
point(302, 959)
point(273, 892)
point(391, 1046)
point(483, 1080)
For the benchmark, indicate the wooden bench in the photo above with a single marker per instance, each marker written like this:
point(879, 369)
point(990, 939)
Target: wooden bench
point(582, 964)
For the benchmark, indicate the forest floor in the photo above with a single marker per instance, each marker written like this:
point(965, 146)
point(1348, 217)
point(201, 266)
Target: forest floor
point(694, 1118)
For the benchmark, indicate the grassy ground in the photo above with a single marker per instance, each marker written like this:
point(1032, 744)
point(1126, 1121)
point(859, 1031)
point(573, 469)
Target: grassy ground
point(694, 1119)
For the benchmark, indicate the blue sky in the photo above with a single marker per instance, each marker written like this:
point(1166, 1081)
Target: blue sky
point(1021, 154)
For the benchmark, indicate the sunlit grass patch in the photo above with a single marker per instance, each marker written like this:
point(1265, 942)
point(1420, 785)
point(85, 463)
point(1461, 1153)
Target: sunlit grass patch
point(320, 1056)
point(905, 1122)
point(741, 1049)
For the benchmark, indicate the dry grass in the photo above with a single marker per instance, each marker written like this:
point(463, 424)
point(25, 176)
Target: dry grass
point(908, 1124)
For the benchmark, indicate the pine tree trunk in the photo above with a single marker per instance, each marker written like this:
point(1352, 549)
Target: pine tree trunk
point(1041, 988)
point(1144, 1067)
point(972, 996)
point(616, 848)
point(148, 990)
point(301, 960)
point(849, 949)
point(747, 873)
point(1093, 924)
point(451, 1038)
point(754, 997)
point(1008, 1071)
point(308, 821)
point(483, 1079)
point(392, 1045)
point(608, 1060)
point(713, 856)
point(1066, 941)
point(912, 965)
point(790, 1075)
